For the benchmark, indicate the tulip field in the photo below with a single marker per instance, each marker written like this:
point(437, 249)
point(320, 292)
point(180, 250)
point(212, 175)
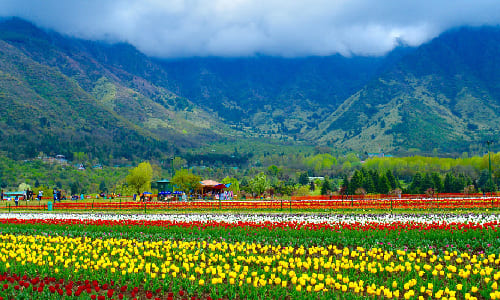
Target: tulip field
point(250, 256)
point(275, 205)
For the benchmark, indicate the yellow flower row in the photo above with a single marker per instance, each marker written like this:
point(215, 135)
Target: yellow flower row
point(323, 270)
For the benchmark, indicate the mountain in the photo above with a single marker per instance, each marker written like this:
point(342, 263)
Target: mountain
point(444, 96)
point(440, 97)
point(63, 95)
point(270, 94)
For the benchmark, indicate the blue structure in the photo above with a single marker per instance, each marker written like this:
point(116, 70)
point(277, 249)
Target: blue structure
point(165, 188)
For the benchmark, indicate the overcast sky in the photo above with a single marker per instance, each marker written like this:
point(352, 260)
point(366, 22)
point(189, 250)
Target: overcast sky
point(183, 28)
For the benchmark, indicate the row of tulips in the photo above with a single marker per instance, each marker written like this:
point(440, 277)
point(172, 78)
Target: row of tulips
point(454, 257)
point(292, 225)
point(20, 287)
point(460, 232)
point(393, 196)
point(277, 205)
point(251, 270)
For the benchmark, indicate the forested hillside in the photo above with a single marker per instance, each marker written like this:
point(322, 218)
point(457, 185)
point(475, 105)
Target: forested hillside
point(62, 95)
point(441, 98)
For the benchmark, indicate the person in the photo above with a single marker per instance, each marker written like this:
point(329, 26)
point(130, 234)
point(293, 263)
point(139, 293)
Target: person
point(40, 194)
point(1, 195)
point(184, 197)
point(81, 196)
point(135, 197)
point(16, 200)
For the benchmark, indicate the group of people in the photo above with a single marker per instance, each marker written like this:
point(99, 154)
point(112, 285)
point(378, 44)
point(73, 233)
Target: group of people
point(57, 195)
point(28, 195)
point(143, 197)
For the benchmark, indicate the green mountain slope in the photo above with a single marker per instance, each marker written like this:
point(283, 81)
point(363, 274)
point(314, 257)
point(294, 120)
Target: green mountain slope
point(43, 110)
point(61, 95)
point(271, 96)
point(443, 96)
point(71, 95)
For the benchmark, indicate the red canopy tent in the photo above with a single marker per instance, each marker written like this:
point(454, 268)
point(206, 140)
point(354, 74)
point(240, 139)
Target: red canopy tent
point(211, 186)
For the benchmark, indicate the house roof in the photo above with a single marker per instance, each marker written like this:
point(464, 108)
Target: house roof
point(209, 183)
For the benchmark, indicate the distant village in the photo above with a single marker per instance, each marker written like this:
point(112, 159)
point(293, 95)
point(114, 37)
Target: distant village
point(61, 159)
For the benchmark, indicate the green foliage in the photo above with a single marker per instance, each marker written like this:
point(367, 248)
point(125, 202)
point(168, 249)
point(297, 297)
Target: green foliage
point(304, 178)
point(140, 177)
point(235, 185)
point(321, 162)
point(186, 181)
point(117, 107)
point(326, 187)
point(370, 181)
point(285, 188)
point(302, 190)
point(259, 184)
point(273, 170)
point(23, 187)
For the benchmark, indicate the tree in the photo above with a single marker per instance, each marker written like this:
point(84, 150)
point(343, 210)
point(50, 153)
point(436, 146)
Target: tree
point(244, 184)
point(273, 170)
point(186, 181)
point(302, 191)
point(102, 186)
point(489, 186)
point(356, 182)
point(384, 186)
point(285, 187)
point(140, 177)
point(312, 186)
point(369, 184)
point(259, 184)
point(235, 185)
point(24, 186)
point(392, 179)
point(345, 185)
point(178, 162)
point(416, 184)
point(448, 183)
point(325, 187)
point(437, 182)
point(427, 182)
point(304, 178)
point(75, 187)
point(371, 181)
point(484, 181)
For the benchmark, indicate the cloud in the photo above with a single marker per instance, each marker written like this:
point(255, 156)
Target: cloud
point(182, 28)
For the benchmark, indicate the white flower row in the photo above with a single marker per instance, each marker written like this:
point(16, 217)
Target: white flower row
point(260, 218)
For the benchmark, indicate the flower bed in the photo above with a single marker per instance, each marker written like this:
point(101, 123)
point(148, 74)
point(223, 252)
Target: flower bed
point(249, 256)
point(384, 204)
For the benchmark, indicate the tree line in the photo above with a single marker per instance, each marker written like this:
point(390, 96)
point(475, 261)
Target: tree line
point(276, 174)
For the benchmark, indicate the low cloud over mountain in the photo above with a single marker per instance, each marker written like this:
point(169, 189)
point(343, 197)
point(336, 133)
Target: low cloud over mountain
point(181, 28)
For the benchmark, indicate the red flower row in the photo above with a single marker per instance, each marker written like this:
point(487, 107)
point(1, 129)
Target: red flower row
point(70, 288)
point(348, 203)
point(75, 289)
point(295, 225)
